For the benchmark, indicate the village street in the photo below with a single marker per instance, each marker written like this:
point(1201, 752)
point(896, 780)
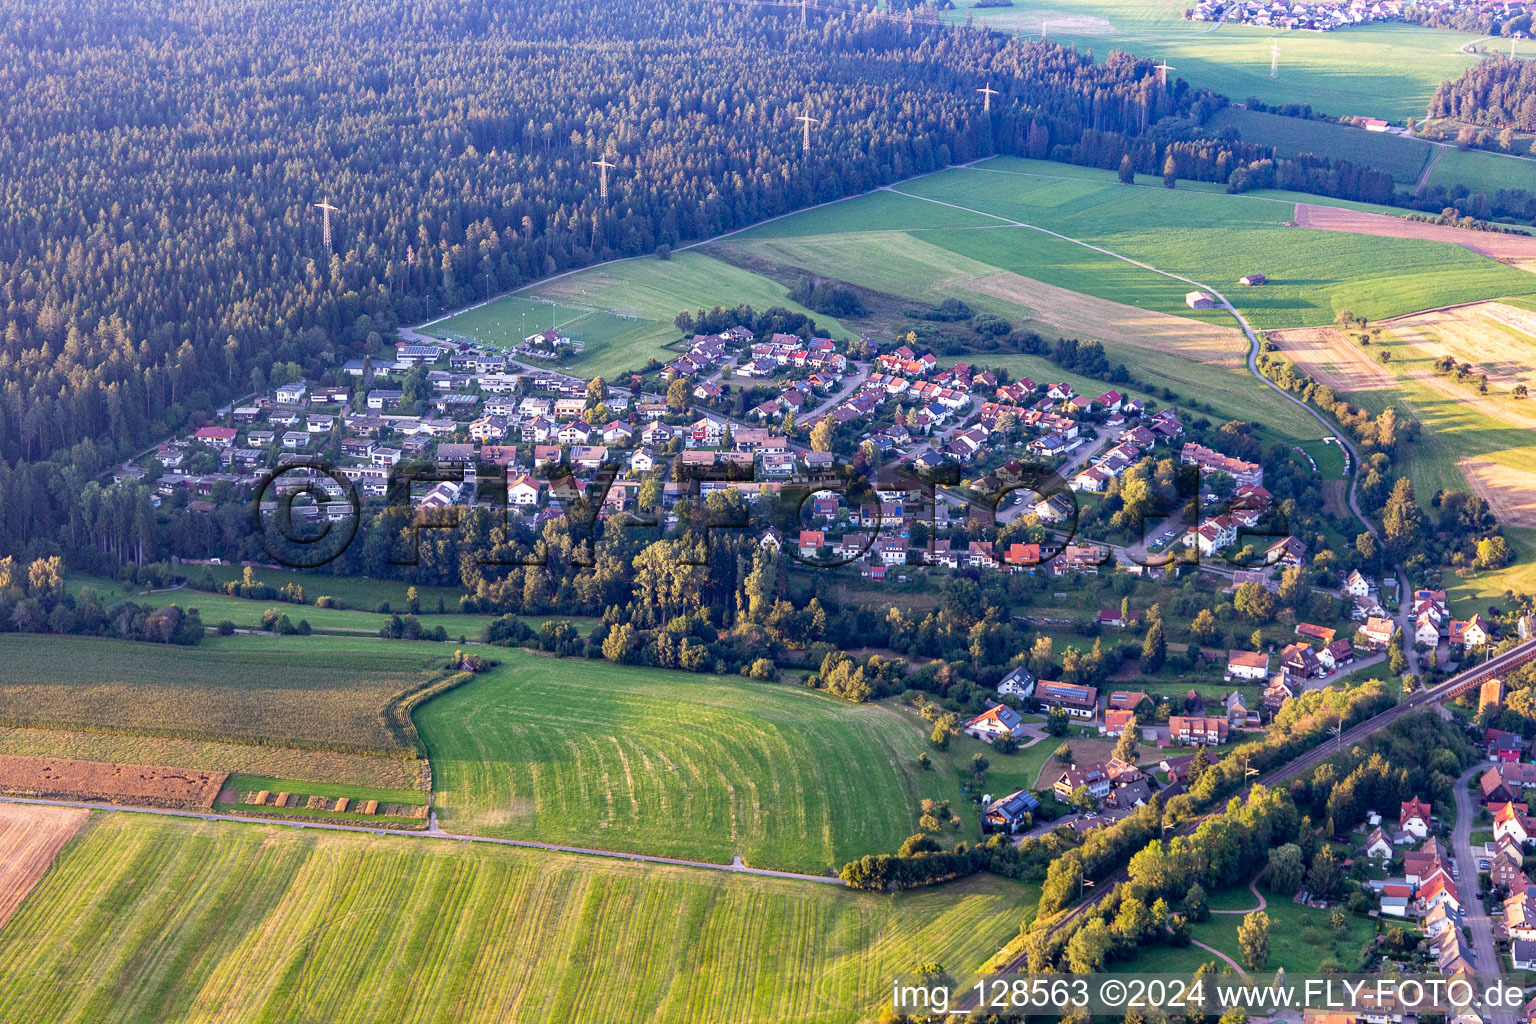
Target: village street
point(1474, 912)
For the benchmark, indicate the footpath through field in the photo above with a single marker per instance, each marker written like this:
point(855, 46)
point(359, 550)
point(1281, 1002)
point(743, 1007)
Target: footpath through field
point(433, 832)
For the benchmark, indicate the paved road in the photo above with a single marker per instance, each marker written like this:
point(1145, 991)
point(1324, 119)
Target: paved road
point(432, 832)
point(1422, 700)
point(1474, 912)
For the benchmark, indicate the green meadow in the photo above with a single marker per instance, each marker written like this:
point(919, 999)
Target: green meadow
point(640, 296)
point(1483, 170)
point(693, 766)
point(144, 920)
point(1382, 70)
point(1402, 157)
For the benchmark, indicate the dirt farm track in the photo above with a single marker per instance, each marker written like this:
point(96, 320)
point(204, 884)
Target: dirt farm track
point(1516, 250)
point(30, 837)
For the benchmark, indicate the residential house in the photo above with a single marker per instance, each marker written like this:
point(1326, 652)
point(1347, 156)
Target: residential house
point(1494, 791)
point(1094, 776)
point(1249, 665)
point(1336, 655)
point(1115, 722)
point(1357, 585)
point(1506, 866)
point(1197, 731)
point(1011, 813)
point(1077, 701)
point(1279, 690)
point(1378, 632)
point(1301, 661)
point(1509, 821)
point(1018, 683)
point(1503, 746)
point(1414, 818)
point(998, 720)
point(1520, 917)
point(1378, 846)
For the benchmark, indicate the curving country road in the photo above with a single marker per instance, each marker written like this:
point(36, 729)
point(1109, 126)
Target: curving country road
point(1253, 338)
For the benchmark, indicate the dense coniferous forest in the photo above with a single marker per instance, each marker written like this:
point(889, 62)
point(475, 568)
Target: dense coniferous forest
point(159, 249)
point(1499, 93)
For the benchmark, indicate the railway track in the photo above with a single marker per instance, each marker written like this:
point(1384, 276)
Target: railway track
point(1453, 687)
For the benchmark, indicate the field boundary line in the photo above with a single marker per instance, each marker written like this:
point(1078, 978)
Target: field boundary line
point(412, 332)
point(736, 867)
point(1253, 338)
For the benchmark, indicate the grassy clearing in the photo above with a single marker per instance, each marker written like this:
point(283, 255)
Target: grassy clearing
point(247, 614)
point(1313, 275)
point(1400, 156)
point(310, 766)
point(148, 920)
point(652, 291)
point(507, 321)
point(1476, 591)
point(326, 692)
point(1385, 70)
point(357, 592)
point(1300, 938)
point(1482, 170)
point(934, 265)
point(693, 766)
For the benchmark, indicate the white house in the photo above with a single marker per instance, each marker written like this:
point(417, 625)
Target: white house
point(525, 491)
point(999, 720)
point(1247, 665)
point(1378, 845)
point(1413, 818)
point(1357, 585)
point(290, 394)
point(1018, 683)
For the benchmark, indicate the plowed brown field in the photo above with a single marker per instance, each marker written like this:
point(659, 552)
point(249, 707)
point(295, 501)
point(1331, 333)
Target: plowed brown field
point(30, 837)
point(123, 783)
point(1516, 250)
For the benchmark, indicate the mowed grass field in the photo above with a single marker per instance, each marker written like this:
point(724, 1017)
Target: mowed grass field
point(1385, 70)
point(1483, 170)
point(359, 592)
point(1218, 238)
point(505, 322)
point(322, 692)
point(1402, 157)
point(247, 613)
point(650, 290)
point(144, 920)
point(692, 766)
